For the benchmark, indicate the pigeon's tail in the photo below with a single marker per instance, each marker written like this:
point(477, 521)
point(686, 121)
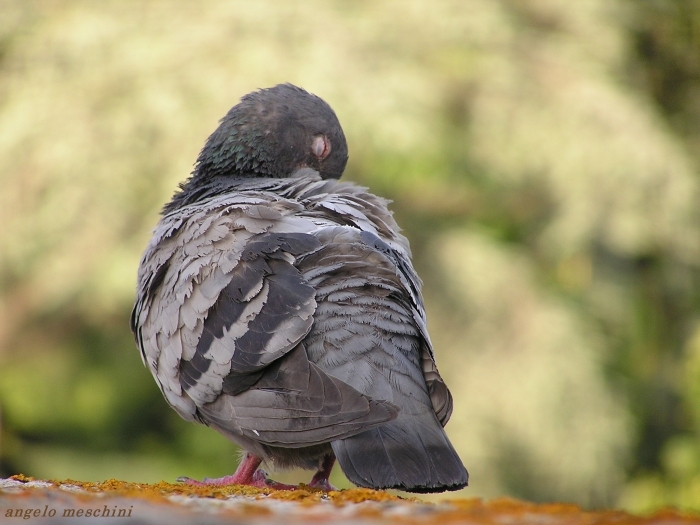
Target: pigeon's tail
point(410, 453)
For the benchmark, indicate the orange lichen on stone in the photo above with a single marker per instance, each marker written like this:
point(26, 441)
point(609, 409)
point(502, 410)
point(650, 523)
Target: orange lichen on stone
point(22, 478)
point(164, 489)
point(375, 506)
point(303, 493)
point(510, 510)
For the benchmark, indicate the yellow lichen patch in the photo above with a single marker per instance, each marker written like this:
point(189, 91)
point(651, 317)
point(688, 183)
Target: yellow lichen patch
point(306, 494)
point(261, 501)
point(22, 478)
point(478, 511)
point(164, 489)
point(303, 494)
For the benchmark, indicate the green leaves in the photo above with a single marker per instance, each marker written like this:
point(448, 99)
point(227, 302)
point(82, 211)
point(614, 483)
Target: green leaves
point(550, 202)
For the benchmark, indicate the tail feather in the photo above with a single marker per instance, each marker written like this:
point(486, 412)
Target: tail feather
point(411, 454)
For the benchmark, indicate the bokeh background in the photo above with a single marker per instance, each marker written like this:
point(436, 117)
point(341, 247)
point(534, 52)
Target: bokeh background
point(542, 156)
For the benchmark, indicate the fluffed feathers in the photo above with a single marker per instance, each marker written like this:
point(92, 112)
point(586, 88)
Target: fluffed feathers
point(280, 306)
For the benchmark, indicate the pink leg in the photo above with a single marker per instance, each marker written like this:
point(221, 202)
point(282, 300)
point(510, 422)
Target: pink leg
point(320, 479)
point(247, 473)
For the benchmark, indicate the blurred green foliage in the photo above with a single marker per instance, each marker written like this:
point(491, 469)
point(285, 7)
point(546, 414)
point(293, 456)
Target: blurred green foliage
point(542, 156)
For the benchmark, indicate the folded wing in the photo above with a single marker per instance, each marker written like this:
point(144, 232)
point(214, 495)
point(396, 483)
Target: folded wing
point(220, 318)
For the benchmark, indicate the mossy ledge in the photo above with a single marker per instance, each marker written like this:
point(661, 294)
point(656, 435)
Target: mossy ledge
point(160, 502)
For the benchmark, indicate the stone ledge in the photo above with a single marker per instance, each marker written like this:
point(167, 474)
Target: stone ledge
point(113, 501)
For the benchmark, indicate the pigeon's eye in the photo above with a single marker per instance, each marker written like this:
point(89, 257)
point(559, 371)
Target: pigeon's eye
point(321, 147)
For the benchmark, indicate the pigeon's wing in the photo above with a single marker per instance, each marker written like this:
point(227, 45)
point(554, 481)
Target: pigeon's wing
point(220, 315)
point(355, 207)
point(440, 396)
point(366, 334)
point(370, 332)
point(295, 404)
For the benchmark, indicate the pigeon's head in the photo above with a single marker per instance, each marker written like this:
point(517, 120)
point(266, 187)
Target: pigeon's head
point(273, 133)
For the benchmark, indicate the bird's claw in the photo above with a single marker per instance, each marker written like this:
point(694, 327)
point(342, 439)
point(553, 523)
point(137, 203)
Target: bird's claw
point(261, 480)
point(323, 485)
point(258, 479)
point(186, 480)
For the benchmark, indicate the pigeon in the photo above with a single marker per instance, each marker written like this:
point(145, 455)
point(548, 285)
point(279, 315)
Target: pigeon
point(279, 306)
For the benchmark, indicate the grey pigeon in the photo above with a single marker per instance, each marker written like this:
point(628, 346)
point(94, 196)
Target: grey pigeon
point(279, 306)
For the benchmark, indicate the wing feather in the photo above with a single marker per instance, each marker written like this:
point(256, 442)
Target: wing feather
point(220, 317)
point(295, 404)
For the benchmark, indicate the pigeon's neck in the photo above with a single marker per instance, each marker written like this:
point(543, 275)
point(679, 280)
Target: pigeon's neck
point(197, 188)
point(239, 147)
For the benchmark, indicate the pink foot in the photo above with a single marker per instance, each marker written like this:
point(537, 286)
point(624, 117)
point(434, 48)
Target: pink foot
point(320, 479)
point(261, 480)
point(247, 473)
